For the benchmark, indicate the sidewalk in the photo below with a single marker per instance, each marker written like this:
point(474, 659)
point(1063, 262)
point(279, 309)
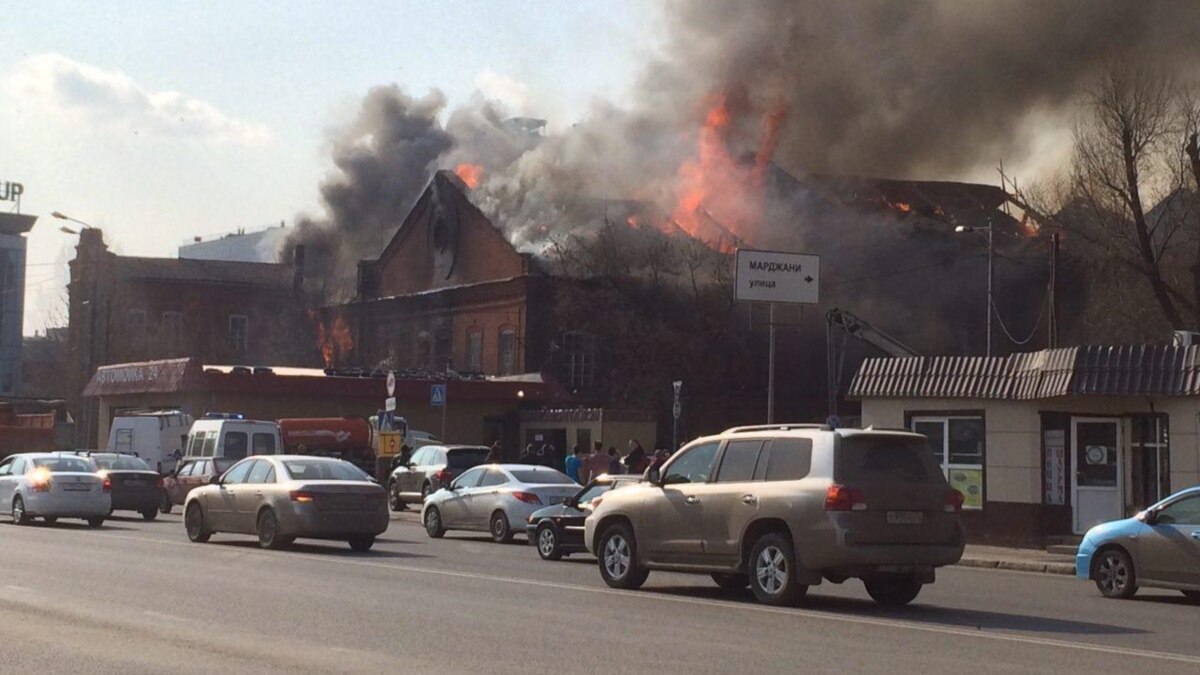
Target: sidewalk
point(1022, 559)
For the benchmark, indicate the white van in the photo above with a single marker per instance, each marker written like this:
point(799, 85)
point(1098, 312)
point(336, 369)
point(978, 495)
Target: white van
point(231, 437)
point(156, 437)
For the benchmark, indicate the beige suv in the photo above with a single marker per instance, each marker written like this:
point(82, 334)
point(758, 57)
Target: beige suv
point(783, 507)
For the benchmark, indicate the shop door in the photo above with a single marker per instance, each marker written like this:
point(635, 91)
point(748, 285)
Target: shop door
point(1097, 477)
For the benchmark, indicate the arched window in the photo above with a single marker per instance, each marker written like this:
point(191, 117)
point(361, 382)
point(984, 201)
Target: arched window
point(508, 351)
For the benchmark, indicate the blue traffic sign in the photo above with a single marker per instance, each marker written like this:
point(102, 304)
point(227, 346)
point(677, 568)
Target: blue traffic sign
point(437, 395)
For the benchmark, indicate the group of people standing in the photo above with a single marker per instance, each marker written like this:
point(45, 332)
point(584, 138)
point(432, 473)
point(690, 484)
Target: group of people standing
point(583, 464)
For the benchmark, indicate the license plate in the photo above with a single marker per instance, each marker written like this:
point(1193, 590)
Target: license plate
point(557, 500)
point(905, 517)
point(76, 487)
point(135, 483)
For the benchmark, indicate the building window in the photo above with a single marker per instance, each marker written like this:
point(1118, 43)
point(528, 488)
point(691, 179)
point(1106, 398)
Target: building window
point(239, 329)
point(402, 348)
point(508, 351)
point(441, 350)
point(957, 444)
point(424, 356)
point(475, 351)
point(579, 359)
point(135, 320)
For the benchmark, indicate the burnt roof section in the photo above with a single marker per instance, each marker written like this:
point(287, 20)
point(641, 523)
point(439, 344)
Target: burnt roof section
point(210, 271)
point(1089, 370)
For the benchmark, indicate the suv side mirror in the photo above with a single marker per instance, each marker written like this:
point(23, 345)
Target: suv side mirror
point(654, 476)
point(214, 479)
point(1149, 517)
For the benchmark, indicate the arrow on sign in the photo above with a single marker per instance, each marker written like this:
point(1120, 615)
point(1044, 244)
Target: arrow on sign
point(808, 279)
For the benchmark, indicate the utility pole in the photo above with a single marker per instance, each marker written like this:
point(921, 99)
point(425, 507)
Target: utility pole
point(990, 303)
point(771, 370)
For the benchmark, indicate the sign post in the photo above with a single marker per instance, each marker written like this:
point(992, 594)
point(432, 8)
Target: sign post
point(437, 399)
point(774, 277)
point(676, 409)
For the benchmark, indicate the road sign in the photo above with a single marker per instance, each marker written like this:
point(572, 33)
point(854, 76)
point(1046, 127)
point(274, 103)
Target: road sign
point(389, 405)
point(773, 276)
point(437, 395)
point(391, 383)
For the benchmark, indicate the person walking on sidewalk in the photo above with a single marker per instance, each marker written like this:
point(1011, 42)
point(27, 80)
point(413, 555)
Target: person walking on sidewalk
point(614, 462)
point(595, 464)
point(636, 461)
point(574, 463)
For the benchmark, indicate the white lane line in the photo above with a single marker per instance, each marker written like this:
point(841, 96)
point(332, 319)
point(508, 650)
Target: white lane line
point(657, 597)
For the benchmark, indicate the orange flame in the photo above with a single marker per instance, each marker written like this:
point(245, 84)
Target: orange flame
point(334, 340)
point(719, 200)
point(470, 174)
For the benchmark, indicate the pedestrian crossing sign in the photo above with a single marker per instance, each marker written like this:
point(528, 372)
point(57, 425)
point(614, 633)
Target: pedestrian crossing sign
point(437, 395)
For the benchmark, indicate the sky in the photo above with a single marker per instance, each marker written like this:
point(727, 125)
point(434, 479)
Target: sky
point(161, 121)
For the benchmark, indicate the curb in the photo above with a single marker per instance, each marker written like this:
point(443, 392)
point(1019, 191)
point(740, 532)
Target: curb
point(1058, 568)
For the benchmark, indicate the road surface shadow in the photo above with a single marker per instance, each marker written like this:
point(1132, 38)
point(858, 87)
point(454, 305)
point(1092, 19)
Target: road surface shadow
point(74, 525)
point(333, 548)
point(920, 613)
point(1166, 599)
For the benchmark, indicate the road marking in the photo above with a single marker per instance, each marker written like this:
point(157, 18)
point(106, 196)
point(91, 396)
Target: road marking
point(977, 633)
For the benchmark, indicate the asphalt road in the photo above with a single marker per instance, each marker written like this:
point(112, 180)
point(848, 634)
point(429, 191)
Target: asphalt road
point(136, 597)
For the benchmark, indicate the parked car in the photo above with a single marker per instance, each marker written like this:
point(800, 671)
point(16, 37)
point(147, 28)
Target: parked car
point(784, 507)
point(1157, 548)
point(135, 486)
point(557, 530)
point(491, 498)
point(53, 486)
point(431, 468)
point(189, 475)
point(281, 498)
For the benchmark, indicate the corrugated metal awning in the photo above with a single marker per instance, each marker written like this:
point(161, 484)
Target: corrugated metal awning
point(1090, 370)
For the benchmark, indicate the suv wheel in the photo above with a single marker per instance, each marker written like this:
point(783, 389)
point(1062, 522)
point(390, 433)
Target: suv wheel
point(772, 568)
point(1114, 574)
point(893, 591)
point(433, 523)
point(618, 558)
point(501, 531)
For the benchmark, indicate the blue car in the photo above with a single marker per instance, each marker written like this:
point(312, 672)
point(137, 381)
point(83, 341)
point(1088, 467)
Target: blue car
point(1157, 548)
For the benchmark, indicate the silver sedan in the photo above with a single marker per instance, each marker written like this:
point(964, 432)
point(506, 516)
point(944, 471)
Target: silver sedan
point(491, 498)
point(53, 486)
point(281, 498)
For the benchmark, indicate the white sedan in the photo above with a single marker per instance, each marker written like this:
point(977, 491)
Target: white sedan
point(53, 486)
point(491, 498)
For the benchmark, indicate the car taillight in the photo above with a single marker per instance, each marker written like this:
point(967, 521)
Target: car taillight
point(444, 476)
point(301, 496)
point(527, 497)
point(842, 498)
point(107, 486)
point(954, 501)
point(39, 480)
point(595, 503)
point(158, 483)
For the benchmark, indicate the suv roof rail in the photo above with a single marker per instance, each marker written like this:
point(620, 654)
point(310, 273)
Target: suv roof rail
point(776, 427)
point(872, 427)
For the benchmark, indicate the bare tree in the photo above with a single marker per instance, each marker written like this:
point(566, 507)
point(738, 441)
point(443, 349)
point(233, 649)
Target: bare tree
point(1128, 178)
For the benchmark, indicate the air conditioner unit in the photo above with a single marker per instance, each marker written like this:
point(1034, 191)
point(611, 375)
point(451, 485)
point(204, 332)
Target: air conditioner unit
point(1185, 338)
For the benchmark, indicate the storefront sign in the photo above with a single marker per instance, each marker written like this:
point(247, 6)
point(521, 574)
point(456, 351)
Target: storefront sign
point(1055, 441)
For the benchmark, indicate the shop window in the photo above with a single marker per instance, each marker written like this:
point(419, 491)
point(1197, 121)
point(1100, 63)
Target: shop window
point(508, 351)
point(475, 351)
point(579, 359)
point(239, 329)
point(1150, 461)
point(957, 444)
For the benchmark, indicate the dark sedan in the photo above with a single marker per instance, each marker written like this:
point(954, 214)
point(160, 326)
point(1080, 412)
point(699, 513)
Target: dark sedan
point(135, 486)
point(557, 530)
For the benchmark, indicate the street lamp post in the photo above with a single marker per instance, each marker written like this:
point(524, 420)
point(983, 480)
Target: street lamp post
point(62, 216)
point(990, 276)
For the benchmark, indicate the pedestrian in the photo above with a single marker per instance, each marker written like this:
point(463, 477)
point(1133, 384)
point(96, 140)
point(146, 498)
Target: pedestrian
point(495, 454)
point(636, 461)
point(596, 463)
point(574, 463)
point(660, 458)
point(615, 467)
